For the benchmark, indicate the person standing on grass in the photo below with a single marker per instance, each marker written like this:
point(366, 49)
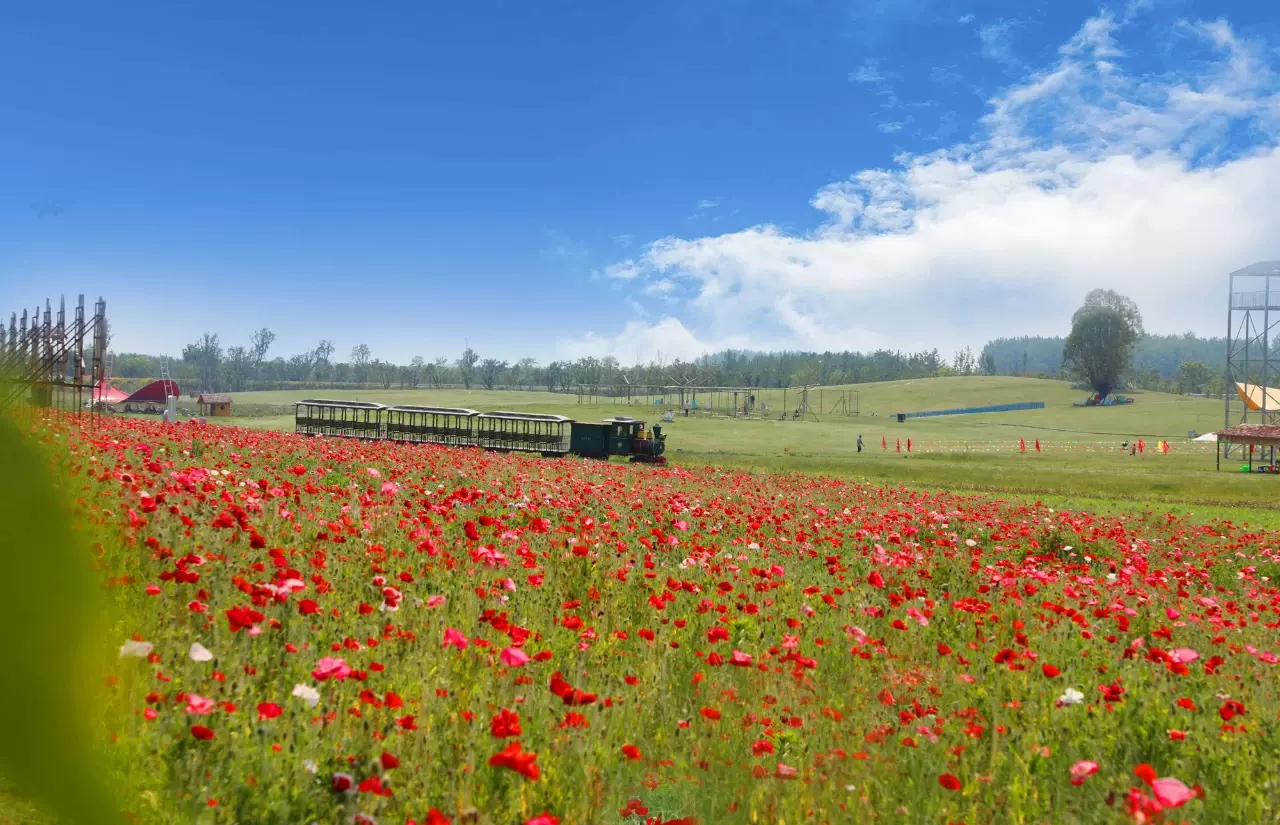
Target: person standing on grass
point(859, 442)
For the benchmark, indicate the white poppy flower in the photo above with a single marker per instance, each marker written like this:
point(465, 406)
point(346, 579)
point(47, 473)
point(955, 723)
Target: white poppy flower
point(135, 650)
point(307, 694)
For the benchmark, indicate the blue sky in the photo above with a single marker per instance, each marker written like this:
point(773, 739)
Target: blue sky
point(643, 180)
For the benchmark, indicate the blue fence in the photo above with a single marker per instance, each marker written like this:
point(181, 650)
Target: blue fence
point(1025, 405)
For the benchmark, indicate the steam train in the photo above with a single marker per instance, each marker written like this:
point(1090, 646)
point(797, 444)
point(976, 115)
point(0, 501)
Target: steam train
point(548, 435)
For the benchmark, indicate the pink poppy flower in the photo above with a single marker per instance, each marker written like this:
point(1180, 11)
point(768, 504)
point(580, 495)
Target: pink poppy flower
point(199, 705)
point(514, 657)
point(453, 636)
point(1171, 793)
point(331, 668)
point(1082, 770)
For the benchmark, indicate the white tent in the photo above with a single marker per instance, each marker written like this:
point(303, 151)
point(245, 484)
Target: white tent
point(1208, 437)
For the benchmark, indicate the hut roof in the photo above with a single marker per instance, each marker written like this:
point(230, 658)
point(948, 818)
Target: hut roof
point(1251, 434)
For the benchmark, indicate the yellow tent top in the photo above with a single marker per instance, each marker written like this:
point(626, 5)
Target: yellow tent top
point(1252, 396)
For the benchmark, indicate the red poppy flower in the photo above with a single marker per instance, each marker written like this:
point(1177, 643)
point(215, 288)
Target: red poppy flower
point(517, 760)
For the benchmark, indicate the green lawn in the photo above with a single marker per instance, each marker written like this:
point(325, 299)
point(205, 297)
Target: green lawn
point(1082, 460)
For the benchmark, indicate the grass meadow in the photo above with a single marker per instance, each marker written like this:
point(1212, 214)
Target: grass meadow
point(1081, 462)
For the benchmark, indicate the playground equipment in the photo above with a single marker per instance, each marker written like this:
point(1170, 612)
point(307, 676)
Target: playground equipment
point(736, 402)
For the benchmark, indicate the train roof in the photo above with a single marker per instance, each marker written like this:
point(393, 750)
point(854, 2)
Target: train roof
point(326, 402)
point(518, 416)
point(436, 410)
point(623, 419)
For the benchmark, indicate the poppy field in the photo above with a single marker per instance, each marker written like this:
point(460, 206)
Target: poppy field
point(335, 631)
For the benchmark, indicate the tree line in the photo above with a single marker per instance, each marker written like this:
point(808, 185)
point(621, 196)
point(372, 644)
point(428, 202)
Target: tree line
point(206, 364)
point(1184, 363)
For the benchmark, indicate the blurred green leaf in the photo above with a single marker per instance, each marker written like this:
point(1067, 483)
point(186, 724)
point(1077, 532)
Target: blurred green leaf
point(50, 688)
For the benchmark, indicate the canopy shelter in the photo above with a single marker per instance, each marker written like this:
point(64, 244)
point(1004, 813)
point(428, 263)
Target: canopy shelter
point(1260, 438)
point(1256, 398)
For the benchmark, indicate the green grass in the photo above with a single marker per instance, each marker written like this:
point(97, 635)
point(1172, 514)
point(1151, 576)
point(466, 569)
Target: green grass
point(1082, 458)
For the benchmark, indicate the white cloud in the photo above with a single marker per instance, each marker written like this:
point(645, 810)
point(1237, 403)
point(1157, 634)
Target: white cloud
point(664, 286)
point(639, 342)
point(997, 41)
point(1082, 176)
point(868, 72)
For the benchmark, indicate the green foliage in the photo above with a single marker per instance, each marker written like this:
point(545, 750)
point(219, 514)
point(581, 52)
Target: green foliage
point(1194, 376)
point(1100, 347)
point(467, 366)
point(49, 681)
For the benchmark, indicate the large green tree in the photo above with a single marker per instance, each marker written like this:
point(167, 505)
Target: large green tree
point(1103, 332)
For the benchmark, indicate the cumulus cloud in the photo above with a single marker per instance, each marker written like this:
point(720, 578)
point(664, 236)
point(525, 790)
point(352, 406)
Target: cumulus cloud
point(1081, 176)
point(663, 341)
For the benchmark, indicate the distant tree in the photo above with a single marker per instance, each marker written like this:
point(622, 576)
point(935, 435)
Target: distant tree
point(1193, 376)
point(259, 343)
point(206, 355)
point(360, 358)
point(134, 365)
point(964, 363)
point(987, 362)
point(1099, 349)
point(299, 367)
point(467, 366)
point(806, 374)
point(490, 370)
point(321, 356)
point(416, 367)
point(526, 371)
point(239, 364)
point(553, 375)
point(434, 372)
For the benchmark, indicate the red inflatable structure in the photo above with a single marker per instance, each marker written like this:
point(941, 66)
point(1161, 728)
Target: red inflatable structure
point(156, 392)
point(104, 393)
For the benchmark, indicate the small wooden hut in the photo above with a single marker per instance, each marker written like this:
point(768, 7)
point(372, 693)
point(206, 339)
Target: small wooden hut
point(214, 404)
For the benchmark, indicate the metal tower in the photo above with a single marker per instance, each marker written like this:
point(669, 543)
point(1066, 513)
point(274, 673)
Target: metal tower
point(1252, 376)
